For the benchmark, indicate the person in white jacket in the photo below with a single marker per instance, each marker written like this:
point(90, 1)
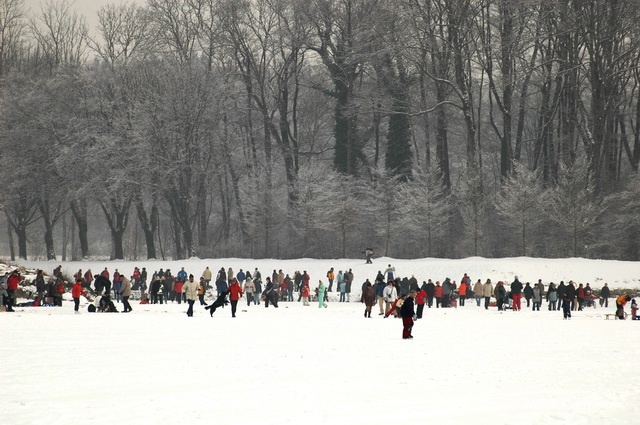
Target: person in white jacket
point(487, 292)
point(249, 289)
point(390, 295)
point(190, 290)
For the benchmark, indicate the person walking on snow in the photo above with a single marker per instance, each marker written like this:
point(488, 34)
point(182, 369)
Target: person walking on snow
point(76, 291)
point(235, 293)
point(190, 289)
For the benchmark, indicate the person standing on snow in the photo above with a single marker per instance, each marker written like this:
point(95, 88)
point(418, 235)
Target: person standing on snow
point(536, 297)
point(330, 277)
point(202, 289)
point(125, 291)
point(477, 292)
point(321, 291)
point(368, 298)
point(528, 293)
point(390, 295)
point(552, 296)
point(207, 276)
point(390, 272)
point(407, 313)
point(516, 294)
point(437, 293)
point(605, 293)
point(249, 289)
point(190, 289)
point(487, 292)
point(380, 294)
point(421, 299)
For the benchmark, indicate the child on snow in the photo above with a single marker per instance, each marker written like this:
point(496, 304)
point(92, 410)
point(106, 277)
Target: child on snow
point(634, 310)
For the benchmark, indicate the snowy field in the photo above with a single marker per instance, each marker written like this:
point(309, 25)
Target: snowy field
point(305, 365)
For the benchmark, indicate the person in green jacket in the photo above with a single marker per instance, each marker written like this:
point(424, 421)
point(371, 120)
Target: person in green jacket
point(321, 290)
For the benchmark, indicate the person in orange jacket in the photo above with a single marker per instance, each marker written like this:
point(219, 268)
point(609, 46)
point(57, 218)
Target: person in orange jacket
point(621, 301)
point(76, 291)
point(438, 294)
point(462, 291)
point(202, 289)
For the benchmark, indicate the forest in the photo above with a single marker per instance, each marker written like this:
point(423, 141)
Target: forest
point(318, 128)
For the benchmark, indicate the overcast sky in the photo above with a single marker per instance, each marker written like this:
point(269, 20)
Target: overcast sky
point(88, 8)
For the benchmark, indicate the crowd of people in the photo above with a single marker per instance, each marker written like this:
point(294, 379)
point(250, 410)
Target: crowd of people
point(389, 291)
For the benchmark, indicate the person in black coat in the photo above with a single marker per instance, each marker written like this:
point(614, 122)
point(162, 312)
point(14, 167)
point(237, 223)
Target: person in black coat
point(605, 294)
point(156, 287)
point(102, 284)
point(430, 289)
point(528, 293)
point(570, 293)
point(407, 312)
point(270, 294)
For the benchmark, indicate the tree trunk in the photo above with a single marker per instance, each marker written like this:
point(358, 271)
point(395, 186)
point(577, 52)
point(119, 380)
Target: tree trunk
point(79, 211)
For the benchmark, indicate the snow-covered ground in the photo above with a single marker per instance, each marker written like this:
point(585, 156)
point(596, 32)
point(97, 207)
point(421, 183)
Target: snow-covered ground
point(306, 365)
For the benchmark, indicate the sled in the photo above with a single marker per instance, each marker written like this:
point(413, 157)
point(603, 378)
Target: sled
point(607, 316)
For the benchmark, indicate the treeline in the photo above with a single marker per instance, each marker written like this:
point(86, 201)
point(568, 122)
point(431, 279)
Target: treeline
point(287, 128)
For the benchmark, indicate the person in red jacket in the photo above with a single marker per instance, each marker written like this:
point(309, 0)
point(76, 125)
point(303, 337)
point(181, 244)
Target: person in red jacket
point(421, 299)
point(12, 286)
point(76, 291)
point(305, 294)
point(581, 295)
point(235, 292)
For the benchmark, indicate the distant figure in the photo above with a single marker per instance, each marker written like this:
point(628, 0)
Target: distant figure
point(605, 293)
point(368, 254)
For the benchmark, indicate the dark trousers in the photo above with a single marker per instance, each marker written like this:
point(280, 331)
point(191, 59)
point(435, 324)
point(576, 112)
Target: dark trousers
point(445, 300)
point(201, 298)
point(330, 285)
point(438, 302)
point(234, 307)
point(462, 298)
point(566, 309)
point(125, 303)
point(419, 311)
point(154, 298)
point(528, 302)
point(76, 304)
point(429, 300)
point(487, 300)
point(190, 309)
point(10, 299)
point(407, 325)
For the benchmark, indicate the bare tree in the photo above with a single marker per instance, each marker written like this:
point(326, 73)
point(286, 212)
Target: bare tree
point(12, 29)
point(124, 33)
point(60, 33)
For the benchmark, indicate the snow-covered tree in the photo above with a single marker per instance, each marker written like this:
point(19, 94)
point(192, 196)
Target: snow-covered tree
point(575, 205)
point(425, 207)
point(520, 203)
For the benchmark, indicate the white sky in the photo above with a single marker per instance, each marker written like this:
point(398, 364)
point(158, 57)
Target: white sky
point(88, 8)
